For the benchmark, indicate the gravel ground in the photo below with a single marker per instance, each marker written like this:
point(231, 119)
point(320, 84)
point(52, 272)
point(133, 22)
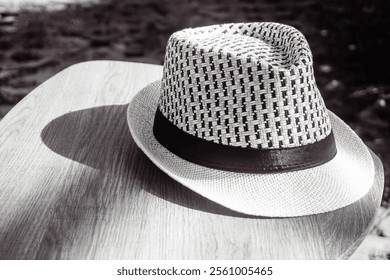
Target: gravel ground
point(349, 41)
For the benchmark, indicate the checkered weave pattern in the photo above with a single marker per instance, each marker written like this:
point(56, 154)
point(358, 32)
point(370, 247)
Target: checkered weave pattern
point(247, 85)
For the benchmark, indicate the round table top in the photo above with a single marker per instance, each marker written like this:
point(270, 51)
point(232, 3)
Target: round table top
point(75, 186)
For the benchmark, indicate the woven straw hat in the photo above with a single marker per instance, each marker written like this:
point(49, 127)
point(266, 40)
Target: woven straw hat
point(237, 117)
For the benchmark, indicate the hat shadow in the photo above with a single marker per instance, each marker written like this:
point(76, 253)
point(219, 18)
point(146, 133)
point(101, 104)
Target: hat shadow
point(91, 137)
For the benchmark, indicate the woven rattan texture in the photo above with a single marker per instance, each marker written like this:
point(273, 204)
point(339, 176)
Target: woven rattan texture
point(248, 85)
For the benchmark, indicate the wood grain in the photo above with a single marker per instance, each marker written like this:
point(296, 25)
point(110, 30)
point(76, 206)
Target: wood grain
point(75, 186)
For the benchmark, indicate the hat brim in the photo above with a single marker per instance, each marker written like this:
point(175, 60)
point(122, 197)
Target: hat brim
point(335, 184)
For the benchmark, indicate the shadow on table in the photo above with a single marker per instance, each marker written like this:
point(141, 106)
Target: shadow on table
point(99, 138)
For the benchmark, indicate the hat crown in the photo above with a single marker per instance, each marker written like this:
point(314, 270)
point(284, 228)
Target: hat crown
point(246, 85)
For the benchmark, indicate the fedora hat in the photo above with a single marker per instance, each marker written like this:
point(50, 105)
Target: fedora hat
point(238, 118)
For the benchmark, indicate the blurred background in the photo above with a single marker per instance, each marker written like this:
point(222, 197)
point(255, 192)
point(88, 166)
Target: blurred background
point(350, 41)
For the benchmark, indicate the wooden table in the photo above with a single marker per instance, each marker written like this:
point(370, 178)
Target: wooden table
point(75, 186)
